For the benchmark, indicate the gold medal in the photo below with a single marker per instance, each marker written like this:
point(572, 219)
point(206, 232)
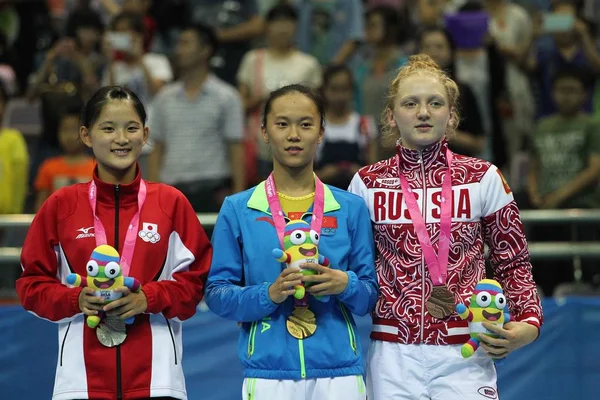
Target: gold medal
point(441, 303)
point(302, 323)
point(111, 331)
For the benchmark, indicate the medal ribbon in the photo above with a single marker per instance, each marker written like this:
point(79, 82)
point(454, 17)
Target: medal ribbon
point(130, 237)
point(437, 265)
point(277, 212)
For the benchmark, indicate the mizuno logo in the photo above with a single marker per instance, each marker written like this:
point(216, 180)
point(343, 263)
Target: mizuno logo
point(85, 233)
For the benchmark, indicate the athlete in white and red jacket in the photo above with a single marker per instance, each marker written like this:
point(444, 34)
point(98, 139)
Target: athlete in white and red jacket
point(171, 259)
point(414, 354)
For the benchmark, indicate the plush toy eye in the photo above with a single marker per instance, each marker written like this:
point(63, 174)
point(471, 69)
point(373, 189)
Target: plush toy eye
point(500, 301)
point(92, 268)
point(484, 299)
point(112, 270)
point(314, 236)
point(298, 237)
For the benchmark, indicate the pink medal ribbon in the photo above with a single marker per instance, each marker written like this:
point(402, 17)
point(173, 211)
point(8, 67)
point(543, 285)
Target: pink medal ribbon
point(277, 212)
point(436, 265)
point(279, 220)
point(130, 237)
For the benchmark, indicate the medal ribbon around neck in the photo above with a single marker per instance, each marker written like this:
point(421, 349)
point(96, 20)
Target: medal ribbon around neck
point(437, 265)
point(130, 237)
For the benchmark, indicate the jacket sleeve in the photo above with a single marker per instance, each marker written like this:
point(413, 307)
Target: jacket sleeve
point(226, 294)
point(362, 291)
point(42, 286)
point(508, 251)
point(180, 287)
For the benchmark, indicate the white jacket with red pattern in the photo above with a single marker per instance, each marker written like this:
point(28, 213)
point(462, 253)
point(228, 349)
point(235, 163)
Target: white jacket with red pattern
point(484, 211)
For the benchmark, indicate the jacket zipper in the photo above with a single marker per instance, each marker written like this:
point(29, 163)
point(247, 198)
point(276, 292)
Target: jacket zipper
point(118, 348)
point(351, 334)
point(424, 212)
point(251, 338)
point(301, 352)
point(62, 346)
point(172, 339)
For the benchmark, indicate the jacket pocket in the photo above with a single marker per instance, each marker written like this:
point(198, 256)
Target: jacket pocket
point(172, 339)
point(62, 345)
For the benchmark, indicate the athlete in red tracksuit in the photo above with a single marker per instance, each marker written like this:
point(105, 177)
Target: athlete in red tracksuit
point(171, 261)
point(414, 354)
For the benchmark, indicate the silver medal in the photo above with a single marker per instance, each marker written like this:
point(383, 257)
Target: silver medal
point(111, 331)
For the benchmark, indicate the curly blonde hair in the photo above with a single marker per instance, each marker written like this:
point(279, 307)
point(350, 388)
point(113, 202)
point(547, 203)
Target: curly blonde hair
point(419, 64)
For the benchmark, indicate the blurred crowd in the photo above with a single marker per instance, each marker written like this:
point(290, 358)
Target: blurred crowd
point(527, 71)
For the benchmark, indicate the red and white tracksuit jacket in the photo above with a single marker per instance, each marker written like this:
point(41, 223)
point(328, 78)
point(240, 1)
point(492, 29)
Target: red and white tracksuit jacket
point(172, 272)
point(484, 211)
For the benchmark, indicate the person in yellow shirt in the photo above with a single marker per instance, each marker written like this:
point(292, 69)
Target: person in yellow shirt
point(14, 164)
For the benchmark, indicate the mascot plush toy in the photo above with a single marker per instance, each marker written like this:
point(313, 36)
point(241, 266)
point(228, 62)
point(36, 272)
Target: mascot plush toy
point(104, 276)
point(488, 304)
point(301, 247)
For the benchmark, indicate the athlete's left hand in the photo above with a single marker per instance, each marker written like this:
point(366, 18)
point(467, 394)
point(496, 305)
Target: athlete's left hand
point(513, 336)
point(327, 281)
point(130, 305)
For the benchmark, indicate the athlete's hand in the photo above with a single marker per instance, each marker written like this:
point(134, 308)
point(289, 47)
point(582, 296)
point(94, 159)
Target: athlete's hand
point(513, 336)
point(327, 281)
point(89, 304)
point(130, 305)
point(284, 285)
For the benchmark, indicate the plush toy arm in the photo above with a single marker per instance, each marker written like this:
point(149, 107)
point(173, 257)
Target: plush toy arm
point(133, 284)
point(281, 256)
point(463, 312)
point(76, 280)
point(324, 261)
point(506, 315)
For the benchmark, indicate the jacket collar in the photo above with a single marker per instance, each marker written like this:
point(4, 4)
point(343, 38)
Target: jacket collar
point(258, 200)
point(434, 154)
point(127, 193)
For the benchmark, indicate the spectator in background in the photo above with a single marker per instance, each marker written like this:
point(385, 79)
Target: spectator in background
point(469, 138)
point(265, 70)
point(350, 140)
point(197, 123)
point(75, 166)
point(572, 49)
point(86, 28)
point(129, 64)
point(510, 27)
point(138, 7)
point(330, 30)
point(8, 64)
point(479, 64)
point(14, 162)
point(565, 169)
point(564, 173)
point(236, 23)
point(378, 67)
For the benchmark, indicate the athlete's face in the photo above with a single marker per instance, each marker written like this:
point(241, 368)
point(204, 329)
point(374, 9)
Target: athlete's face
point(117, 138)
point(293, 129)
point(421, 111)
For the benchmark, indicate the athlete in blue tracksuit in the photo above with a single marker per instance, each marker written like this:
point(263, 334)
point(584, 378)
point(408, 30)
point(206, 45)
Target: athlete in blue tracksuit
point(326, 365)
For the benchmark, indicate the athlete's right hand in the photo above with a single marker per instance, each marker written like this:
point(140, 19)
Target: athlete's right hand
point(88, 303)
point(284, 285)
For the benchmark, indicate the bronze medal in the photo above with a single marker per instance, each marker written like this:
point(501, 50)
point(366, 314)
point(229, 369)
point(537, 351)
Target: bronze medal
point(302, 323)
point(441, 302)
point(111, 331)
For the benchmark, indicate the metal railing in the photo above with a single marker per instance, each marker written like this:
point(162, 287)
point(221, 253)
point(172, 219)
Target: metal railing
point(545, 250)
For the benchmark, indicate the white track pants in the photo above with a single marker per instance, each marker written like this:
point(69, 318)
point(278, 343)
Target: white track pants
point(341, 388)
point(428, 372)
